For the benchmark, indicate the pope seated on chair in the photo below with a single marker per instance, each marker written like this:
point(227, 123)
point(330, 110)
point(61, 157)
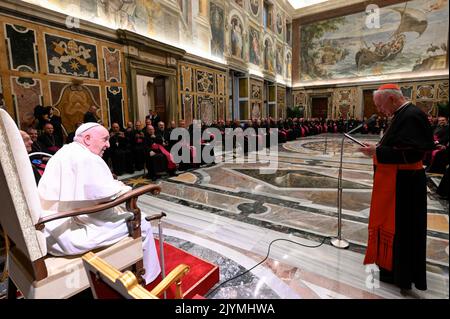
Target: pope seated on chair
point(77, 177)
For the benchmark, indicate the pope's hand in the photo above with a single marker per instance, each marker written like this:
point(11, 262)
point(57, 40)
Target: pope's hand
point(368, 150)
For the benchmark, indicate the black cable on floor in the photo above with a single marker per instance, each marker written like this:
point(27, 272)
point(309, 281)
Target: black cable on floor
point(267, 256)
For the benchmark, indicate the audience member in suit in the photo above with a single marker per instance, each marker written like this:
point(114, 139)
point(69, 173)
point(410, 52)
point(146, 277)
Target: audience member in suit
point(36, 146)
point(120, 152)
point(163, 135)
point(56, 121)
point(153, 117)
point(155, 161)
point(138, 146)
point(50, 142)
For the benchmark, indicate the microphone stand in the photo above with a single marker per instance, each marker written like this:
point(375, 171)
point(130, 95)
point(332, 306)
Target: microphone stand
point(338, 242)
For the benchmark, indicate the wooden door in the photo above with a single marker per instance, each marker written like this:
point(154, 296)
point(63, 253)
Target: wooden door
point(160, 98)
point(369, 105)
point(319, 107)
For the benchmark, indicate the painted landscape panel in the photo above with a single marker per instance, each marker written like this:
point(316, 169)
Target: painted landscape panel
point(406, 37)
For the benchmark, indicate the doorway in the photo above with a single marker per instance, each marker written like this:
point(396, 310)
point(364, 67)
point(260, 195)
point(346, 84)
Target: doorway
point(159, 86)
point(152, 95)
point(319, 107)
point(369, 105)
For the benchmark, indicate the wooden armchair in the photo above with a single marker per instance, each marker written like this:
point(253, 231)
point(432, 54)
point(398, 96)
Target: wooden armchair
point(35, 273)
point(109, 283)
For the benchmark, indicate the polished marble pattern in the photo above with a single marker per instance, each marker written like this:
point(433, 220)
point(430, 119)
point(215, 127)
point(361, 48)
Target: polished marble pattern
point(229, 214)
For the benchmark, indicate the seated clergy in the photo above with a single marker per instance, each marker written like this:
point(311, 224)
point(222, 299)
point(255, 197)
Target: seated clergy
point(138, 146)
point(51, 142)
point(155, 161)
point(77, 177)
point(120, 151)
point(37, 166)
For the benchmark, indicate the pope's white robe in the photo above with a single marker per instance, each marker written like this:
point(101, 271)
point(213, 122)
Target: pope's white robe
point(74, 178)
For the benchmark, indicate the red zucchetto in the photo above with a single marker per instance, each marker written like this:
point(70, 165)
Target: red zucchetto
point(389, 86)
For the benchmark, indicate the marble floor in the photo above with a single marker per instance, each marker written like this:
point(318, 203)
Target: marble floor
point(236, 214)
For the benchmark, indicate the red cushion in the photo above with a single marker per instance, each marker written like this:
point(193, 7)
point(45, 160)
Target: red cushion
point(201, 277)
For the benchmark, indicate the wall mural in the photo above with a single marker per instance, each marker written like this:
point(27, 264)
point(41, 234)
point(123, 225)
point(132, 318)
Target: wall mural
point(111, 57)
point(135, 15)
point(218, 30)
point(410, 38)
point(70, 57)
point(255, 46)
point(269, 56)
point(159, 20)
point(288, 65)
point(237, 42)
point(279, 59)
point(255, 8)
point(279, 23)
point(239, 3)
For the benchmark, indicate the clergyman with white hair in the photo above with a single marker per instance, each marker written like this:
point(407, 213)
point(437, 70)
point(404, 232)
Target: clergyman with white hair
point(76, 177)
point(398, 211)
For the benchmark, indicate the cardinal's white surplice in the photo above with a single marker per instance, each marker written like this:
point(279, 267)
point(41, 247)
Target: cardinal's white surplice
point(74, 178)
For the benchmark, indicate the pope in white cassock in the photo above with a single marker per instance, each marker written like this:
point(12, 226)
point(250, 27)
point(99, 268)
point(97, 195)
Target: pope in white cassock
point(77, 176)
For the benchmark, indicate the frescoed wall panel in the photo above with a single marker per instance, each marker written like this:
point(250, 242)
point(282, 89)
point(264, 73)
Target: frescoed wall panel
point(269, 58)
point(412, 37)
point(279, 59)
point(237, 38)
point(256, 9)
point(217, 21)
point(254, 46)
point(218, 29)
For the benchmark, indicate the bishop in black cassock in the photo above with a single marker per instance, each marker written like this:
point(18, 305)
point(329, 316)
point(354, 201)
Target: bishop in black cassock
point(398, 213)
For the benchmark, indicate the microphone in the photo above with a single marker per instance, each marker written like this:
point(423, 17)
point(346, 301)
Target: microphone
point(370, 120)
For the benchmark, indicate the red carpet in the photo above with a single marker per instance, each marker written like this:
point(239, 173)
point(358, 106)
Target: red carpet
point(201, 277)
